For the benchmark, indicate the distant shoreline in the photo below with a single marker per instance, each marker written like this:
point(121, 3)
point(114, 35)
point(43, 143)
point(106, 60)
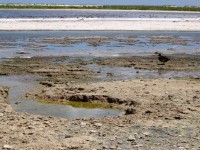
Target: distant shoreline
point(101, 24)
point(108, 10)
point(100, 7)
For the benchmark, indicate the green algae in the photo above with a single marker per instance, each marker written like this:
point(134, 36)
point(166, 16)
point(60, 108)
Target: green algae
point(88, 105)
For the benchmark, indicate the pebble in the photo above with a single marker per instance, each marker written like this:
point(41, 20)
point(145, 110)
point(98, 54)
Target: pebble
point(146, 133)
point(105, 147)
point(68, 136)
point(98, 124)
point(139, 145)
point(92, 131)
point(83, 123)
point(131, 138)
point(121, 125)
point(112, 139)
point(113, 147)
point(181, 147)
point(120, 142)
point(1, 114)
point(7, 147)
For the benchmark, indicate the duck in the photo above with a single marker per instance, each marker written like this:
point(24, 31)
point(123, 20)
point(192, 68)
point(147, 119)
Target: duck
point(163, 59)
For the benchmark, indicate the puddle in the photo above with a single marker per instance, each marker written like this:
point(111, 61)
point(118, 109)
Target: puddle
point(19, 85)
point(125, 73)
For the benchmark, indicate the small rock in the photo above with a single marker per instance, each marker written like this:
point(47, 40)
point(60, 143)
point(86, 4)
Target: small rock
point(139, 145)
point(105, 147)
point(22, 52)
point(17, 103)
point(98, 124)
point(68, 136)
point(181, 148)
point(1, 114)
point(148, 112)
point(195, 97)
point(7, 147)
point(113, 147)
point(131, 138)
point(146, 133)
point(130, 111)
point(92, 131)
point(83, 124)
point(178, 117)
point(80, 89)
point(31, 127)
point(121, 125)
point(112, 139)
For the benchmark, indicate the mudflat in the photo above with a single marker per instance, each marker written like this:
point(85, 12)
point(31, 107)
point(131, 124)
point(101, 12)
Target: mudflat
point(159, 113)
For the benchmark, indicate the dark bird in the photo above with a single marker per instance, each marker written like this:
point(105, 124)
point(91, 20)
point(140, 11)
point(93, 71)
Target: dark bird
point(163, 59)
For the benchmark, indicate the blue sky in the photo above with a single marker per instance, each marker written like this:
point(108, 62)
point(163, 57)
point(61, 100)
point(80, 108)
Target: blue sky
point(115, 2)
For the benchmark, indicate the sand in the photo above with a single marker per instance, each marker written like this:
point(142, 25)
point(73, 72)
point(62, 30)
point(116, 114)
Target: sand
point(149, 24)
point(167, 117)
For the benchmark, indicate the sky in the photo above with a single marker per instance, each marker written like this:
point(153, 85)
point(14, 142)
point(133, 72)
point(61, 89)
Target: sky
point(111, 2)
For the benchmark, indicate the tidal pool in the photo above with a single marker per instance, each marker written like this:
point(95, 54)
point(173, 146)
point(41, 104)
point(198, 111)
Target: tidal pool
point(19, 85)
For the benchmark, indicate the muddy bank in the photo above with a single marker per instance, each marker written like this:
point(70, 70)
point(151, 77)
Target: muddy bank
point(77, 68)
point(49, 68)
point(24, 131)
point(157, 98)
point(161, 113)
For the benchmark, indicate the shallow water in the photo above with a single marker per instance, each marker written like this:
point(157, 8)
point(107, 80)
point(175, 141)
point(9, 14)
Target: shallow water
point(15, 41)
point(127, 73)
point(93, 14)
point(19, 85)
point(33, 43)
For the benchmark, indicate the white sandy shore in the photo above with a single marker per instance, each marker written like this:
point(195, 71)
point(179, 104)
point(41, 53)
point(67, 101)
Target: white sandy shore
point(153, 24)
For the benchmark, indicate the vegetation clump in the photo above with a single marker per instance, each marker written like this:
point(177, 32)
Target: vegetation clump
point(112, 7)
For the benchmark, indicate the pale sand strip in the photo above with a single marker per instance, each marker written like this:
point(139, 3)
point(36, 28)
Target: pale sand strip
point(160, 24)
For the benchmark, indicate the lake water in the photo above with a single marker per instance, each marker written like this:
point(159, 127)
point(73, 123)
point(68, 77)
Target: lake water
point(119, 43)
point(93, 14)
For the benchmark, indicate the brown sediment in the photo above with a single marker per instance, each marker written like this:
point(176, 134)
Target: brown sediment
point(56, 69)
point(4, 92)
point(49, 67)
point(92, 41)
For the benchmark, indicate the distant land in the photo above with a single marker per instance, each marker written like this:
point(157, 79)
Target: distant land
point(107, 2)
point(106, 7)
